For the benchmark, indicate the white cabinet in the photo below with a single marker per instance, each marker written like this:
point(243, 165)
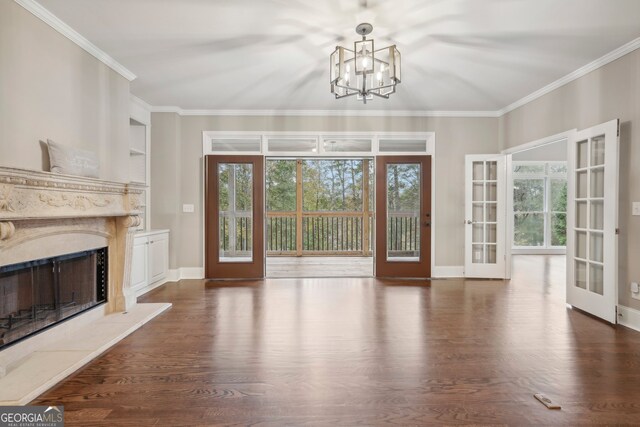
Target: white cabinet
point(150, 263)
point(139, 263)
point(158, 257)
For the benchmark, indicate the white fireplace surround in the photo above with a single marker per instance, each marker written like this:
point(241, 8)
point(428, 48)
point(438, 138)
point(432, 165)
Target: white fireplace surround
point(43, 215)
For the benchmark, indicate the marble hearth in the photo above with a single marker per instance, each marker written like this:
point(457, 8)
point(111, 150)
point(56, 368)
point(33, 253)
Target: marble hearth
point(45, 215)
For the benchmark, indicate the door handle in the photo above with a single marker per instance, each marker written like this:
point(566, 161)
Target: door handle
point(470, 222)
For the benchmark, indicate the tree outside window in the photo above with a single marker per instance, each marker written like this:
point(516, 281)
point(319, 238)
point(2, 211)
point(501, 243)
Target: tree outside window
point(539, 204)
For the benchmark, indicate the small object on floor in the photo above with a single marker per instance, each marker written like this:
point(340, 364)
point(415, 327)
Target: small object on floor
point(546, 401)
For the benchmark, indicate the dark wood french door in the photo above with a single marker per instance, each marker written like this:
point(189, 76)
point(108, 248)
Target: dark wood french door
point(403, 216)
point(234, 217)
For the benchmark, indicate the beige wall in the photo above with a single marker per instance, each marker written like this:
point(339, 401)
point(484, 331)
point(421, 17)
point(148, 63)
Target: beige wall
point(52, 88)
point(611, 92)
point(182, 158)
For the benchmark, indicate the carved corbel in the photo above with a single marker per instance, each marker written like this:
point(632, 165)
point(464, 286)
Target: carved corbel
point(7, 230)
point(132, 221)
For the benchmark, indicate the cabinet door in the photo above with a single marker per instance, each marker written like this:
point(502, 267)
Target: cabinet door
point(158, 257)
point(139, 266)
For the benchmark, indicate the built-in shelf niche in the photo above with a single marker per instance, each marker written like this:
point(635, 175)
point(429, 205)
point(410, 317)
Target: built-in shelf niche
point(139, 161)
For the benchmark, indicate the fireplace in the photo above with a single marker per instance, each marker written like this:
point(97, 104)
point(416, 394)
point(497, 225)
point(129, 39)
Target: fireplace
point(38, 294)
point(66, 247)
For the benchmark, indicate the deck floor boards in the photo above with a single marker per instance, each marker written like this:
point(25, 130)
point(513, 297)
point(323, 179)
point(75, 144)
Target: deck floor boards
point(312, 266)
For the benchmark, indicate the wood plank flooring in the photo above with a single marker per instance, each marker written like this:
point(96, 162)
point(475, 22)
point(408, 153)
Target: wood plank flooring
point(319, 266)
point(363, 352)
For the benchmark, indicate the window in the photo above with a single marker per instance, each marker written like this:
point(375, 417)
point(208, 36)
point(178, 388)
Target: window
point(539, 204)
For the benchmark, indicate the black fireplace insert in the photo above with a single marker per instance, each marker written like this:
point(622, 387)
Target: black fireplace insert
point(36, 295)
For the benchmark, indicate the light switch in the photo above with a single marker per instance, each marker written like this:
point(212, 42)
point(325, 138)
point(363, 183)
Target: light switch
point(635, 209)
point(188, 208)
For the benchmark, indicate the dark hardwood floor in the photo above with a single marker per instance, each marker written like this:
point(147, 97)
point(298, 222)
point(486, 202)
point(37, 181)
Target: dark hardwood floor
point(363, 352)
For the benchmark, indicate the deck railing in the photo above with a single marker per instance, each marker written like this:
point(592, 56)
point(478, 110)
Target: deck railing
point(322, 233)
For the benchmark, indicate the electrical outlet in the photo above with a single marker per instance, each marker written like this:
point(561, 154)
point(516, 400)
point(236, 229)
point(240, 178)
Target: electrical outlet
point(635, 290)
point(635, 209)
point(188, 208)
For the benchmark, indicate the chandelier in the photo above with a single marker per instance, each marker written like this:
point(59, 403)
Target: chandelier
point(364, 71)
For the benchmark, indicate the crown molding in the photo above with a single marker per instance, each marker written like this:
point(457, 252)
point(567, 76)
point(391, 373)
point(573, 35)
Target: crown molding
point(580, 72)
point(57, 24)
point(141, 102)
point(324, 113)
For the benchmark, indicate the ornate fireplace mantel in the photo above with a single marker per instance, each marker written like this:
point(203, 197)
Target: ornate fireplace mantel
point(44, 215)
point(42, 212)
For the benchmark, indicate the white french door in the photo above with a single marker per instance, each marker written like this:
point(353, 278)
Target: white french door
point(592, 220)
point(485, 195)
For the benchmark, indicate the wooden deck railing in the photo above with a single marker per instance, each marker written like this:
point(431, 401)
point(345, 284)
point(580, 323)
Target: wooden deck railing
point(321, 233)
point(403, 233)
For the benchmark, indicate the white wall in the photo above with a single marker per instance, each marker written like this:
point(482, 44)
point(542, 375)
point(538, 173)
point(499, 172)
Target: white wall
point(554, 152)
point(52, 88)
point(177, 175)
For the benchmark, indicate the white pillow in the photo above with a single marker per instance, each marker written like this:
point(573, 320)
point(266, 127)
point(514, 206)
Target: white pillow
point(73, 161)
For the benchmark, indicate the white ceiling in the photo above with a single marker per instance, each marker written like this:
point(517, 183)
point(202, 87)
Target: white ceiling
point(458, 55)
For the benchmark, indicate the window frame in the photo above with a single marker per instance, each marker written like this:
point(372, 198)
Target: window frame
point(546, 176)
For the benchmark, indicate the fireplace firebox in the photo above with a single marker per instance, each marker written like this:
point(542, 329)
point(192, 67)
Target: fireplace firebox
point(37, 294)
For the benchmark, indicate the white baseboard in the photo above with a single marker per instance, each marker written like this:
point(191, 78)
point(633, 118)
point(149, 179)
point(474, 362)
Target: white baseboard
point(446, 271)
point(191, 273)
point(185, 273)
point(173, 275)
point(629, 317)
point(439, 272)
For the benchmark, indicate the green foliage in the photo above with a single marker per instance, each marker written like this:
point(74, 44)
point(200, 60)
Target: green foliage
point(332, 185)
point(559, 220)
point(528, 207)
point(403, 187)
point(281, 185)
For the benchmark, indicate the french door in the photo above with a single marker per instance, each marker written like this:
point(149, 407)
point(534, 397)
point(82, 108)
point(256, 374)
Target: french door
point(485, 197)
point(234, 212)
point(592, 218)
point(403, 216)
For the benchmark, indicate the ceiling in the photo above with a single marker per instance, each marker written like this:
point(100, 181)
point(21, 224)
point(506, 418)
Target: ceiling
point(458, 55)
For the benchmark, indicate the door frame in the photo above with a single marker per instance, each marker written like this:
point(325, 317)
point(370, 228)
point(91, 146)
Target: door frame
point(509, 152)
point(426, 161)
point(234, 270)
point(430, 150)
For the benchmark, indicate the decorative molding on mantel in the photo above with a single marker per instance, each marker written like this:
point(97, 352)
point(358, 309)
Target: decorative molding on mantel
point(26, 194)
point(7, 230)
point(57, 24)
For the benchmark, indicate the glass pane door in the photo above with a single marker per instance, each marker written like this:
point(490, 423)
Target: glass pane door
point(589, 224)
point(485, 195)
point(403, 216)
point(592, 258)
point(404, 199)
point(234, 209)
point(484, 220)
